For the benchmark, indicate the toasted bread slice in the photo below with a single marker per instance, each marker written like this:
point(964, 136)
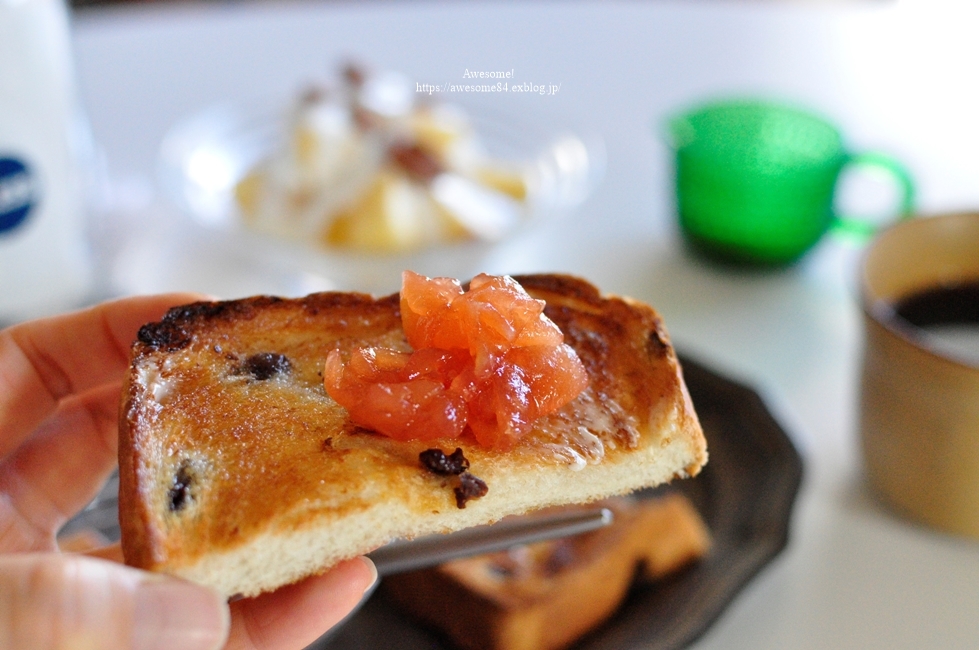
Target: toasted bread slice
point(531, 597)
point(239, 472)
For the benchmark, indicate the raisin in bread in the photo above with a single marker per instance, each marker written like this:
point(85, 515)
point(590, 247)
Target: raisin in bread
point(239, 472)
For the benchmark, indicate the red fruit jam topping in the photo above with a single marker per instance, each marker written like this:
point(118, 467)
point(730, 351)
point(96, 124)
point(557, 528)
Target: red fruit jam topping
point(486, 362)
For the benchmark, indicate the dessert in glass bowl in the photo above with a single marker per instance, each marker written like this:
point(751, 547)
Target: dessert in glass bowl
point(359, 179)
point(364, 167)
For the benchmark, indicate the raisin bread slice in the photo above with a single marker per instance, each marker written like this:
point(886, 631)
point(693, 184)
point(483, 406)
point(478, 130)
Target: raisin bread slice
point(239, 472)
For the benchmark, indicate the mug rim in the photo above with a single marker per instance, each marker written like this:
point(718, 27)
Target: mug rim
point(882, 312)
point(681, 121)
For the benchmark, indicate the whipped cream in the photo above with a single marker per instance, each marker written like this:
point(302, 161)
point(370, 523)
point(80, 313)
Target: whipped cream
point(365, 167)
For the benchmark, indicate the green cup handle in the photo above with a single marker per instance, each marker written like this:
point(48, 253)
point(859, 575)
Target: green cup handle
point(864, 228)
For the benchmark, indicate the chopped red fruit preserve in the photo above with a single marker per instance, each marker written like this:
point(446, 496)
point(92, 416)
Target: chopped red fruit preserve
point(486, 362)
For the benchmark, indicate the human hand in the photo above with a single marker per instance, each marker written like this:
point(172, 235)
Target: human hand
point(60, 381)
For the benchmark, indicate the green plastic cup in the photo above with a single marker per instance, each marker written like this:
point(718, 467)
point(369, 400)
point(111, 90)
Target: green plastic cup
point(755, 181)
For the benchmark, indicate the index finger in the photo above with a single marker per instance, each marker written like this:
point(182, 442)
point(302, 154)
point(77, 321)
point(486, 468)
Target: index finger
point(45, 360)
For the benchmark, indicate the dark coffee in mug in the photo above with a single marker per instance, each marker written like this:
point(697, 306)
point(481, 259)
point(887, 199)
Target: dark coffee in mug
point(919, 389)
point(945, 318)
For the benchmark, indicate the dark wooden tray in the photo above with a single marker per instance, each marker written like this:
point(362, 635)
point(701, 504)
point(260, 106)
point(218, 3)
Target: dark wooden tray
point(745, 494)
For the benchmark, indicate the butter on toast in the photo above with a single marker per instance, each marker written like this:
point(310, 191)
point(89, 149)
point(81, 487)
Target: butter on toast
point(239, 472)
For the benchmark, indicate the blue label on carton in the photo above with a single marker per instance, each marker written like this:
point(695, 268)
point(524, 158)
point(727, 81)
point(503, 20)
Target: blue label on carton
point(18, 194)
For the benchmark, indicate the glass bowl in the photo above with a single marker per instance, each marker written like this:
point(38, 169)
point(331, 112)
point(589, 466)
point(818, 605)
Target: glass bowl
point(203, 157)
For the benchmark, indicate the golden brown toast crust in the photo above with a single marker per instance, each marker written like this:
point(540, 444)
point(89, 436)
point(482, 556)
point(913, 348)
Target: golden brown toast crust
point(221, 455)
point(547, 595)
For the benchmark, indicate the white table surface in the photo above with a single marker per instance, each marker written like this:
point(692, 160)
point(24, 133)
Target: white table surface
point(901, 77)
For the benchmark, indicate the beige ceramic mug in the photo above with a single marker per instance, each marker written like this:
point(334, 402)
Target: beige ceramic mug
point(919, 410)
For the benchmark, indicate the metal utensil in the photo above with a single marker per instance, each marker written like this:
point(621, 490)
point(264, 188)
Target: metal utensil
point(431, 550)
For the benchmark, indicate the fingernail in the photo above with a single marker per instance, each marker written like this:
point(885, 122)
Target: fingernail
point(373, 569)
point(171, 613)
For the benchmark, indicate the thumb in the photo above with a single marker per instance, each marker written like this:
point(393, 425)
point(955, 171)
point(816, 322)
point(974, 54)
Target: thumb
point(51, 601)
